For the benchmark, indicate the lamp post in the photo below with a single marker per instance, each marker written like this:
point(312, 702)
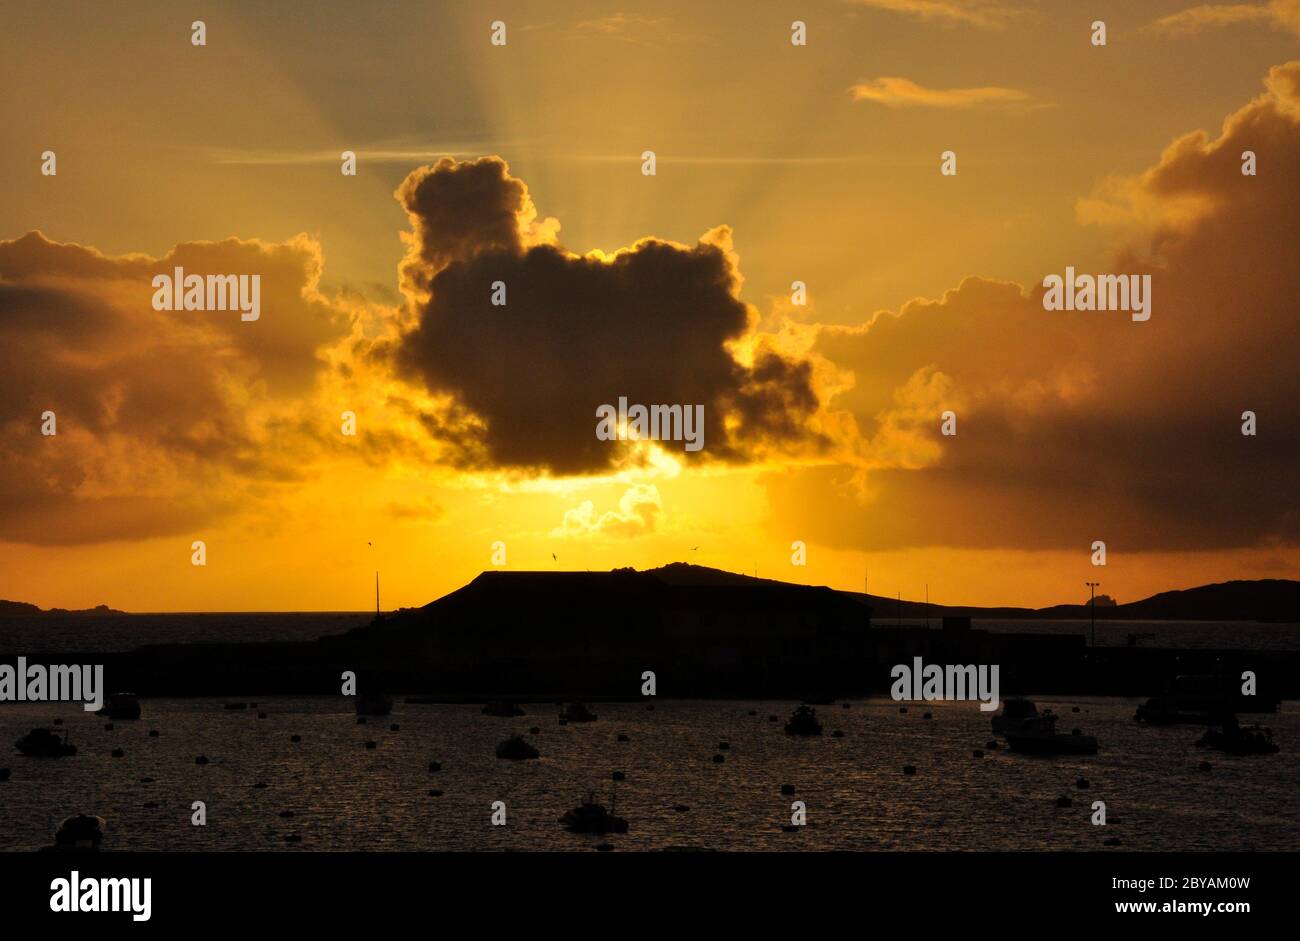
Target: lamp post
point(1092, 609)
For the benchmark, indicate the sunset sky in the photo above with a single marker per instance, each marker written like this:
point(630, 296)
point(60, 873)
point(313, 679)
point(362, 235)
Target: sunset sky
point(522, 163)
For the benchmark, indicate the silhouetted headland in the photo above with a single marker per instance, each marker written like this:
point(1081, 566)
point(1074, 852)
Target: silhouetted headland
point(521, 636)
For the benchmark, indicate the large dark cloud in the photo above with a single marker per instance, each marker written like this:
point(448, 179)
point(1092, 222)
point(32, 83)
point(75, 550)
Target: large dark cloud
point(653, 323)
point(1075, 426)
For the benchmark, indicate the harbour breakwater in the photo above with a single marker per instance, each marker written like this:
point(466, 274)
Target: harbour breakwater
point(396, 662)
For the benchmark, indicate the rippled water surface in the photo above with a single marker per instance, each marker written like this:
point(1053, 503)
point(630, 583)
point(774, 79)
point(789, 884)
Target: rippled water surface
point(345, 797)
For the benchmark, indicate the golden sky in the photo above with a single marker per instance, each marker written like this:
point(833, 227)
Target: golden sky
point(522, 163)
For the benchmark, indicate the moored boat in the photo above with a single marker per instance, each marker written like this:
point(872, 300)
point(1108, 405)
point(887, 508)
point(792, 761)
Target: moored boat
point(42, 743)
point(1039, 737)
point(121, 706)
point(590, 817)
point(804, 721)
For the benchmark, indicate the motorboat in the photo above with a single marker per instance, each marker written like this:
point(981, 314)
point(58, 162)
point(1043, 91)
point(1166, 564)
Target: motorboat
point(1039, 737)
point(121, 706)
point(577, 712)
point(373, 704)
point(42, 743)
point(1016, 713)
point(590, 817)
point(803, 721)
point(516, 748)
point(1231, 738)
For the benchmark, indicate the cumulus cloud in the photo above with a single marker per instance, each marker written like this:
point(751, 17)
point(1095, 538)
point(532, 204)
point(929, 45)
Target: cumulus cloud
point(638, 513)
point(658, 322)
point(1075, 426)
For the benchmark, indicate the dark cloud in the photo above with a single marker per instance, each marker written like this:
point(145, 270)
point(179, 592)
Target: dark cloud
point(161, 415)
point(655, 323)
point(1075, 426)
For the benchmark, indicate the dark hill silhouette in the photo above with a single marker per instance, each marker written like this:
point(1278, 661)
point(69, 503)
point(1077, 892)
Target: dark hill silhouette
point(525, 636)
point(1262, 600)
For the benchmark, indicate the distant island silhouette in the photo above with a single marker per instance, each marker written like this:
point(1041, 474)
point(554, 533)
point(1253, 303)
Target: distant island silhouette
point(21, 609)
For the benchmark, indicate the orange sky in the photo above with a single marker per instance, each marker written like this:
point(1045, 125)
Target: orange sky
point(522, 164)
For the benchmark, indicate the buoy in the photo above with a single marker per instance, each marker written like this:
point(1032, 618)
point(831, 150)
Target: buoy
point(909, 769)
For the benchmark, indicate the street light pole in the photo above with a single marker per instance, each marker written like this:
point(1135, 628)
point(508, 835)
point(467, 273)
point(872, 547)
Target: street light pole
point(1092, 608)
